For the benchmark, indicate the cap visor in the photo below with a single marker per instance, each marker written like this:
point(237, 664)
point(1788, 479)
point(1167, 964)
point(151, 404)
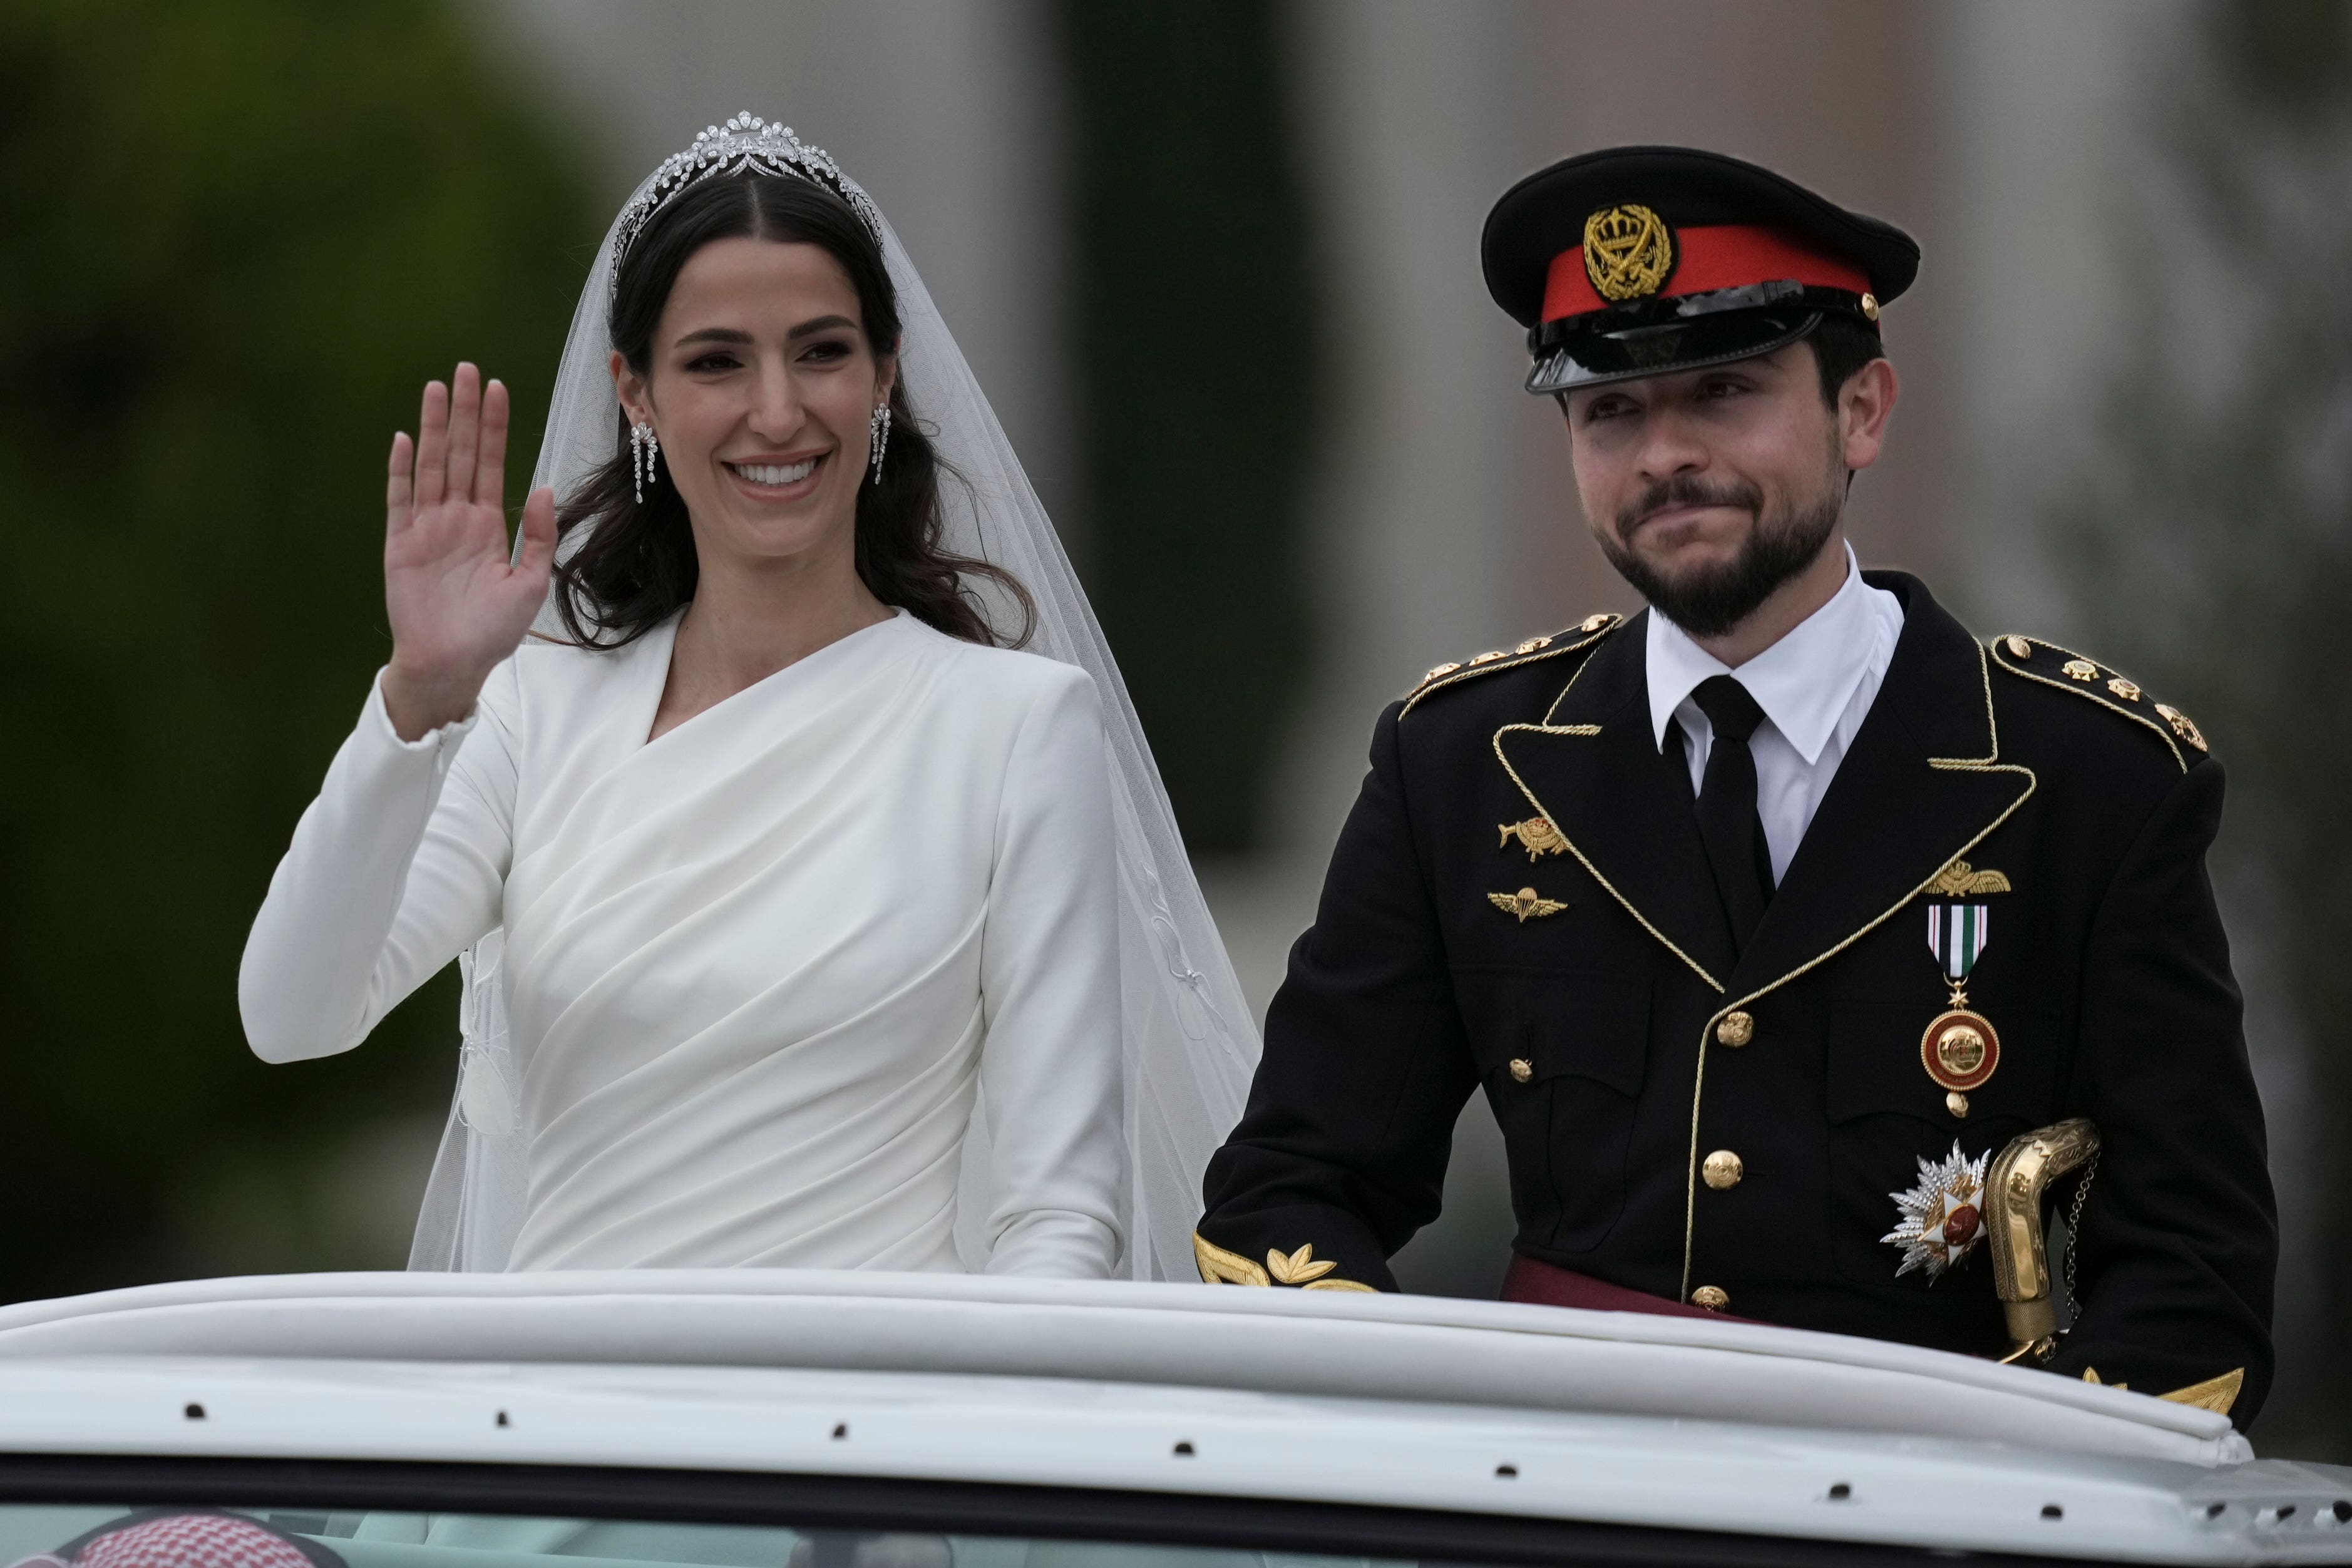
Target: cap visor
point(1595, 359)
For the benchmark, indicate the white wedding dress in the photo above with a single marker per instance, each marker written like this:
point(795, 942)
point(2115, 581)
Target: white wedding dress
point(757, 969)
point(893, 960)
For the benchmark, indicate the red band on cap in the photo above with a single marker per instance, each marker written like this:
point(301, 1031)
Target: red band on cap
point(1724, 256)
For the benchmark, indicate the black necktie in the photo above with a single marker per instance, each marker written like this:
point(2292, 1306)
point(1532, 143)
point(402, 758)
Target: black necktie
point(1727, 805)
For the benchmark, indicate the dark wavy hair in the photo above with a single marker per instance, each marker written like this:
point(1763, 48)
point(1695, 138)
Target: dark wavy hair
point(1842, 346)
point(638, 566)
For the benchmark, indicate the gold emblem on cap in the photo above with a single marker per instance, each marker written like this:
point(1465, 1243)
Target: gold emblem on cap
point(1628, 251)
point(1870, 307)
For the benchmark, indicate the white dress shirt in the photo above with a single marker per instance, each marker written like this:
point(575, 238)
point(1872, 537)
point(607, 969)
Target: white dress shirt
point(1815, 686)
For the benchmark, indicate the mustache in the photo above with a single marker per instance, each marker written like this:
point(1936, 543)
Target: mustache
point(1687, 490)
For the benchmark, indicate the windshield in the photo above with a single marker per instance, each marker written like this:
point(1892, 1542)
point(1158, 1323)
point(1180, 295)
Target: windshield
point(122, 1537)
point(62, 1511)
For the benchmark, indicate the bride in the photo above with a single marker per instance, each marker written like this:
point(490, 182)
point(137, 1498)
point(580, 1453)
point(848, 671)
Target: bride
point(805, 923)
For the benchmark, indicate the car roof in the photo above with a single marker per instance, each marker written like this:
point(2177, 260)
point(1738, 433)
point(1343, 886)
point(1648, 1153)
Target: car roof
point(1399, 1401)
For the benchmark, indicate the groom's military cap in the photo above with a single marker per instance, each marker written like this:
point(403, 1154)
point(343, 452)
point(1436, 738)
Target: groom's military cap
point(1643, 261)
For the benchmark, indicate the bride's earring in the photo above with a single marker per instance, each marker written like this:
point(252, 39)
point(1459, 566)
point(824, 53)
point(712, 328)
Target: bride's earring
point(877, 432)
point(644, 448)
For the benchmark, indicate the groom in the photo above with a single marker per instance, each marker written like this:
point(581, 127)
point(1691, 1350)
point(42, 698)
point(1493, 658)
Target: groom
point(1765, 917)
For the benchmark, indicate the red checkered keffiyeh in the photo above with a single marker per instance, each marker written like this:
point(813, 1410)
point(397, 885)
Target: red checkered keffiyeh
point(192, 1541)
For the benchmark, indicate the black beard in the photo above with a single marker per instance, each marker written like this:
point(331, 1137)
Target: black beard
point(1709, 603)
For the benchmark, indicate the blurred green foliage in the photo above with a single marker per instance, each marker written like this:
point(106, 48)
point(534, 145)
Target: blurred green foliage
point(2210, 533)
point(1198, 385)
point(235, 238)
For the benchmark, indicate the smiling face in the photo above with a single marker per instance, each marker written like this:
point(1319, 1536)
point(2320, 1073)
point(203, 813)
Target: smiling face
point(761, 385)
point(1709, 489)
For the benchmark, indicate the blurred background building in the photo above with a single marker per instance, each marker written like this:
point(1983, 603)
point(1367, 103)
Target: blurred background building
point(1216, 265)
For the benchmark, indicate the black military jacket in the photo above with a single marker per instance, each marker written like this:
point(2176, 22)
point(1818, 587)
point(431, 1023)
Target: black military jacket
point(1587, 1007)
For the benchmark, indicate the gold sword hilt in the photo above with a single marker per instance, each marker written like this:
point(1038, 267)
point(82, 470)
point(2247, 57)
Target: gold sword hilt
point(2015, 1190)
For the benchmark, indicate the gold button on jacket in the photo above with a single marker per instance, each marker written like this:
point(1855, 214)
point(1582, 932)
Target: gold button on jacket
point(1713, 1298)
point(1723, 1170)
point(1736, 1029)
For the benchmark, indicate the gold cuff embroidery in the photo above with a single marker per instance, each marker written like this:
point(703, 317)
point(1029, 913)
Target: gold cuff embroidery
point(2217, 1393)
point(1299, 1268)
point(1302, 1268)
point(1219, 1267)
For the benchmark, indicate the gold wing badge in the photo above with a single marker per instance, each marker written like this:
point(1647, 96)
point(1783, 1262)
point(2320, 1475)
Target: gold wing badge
point(1959, 880)
point(1526, 904)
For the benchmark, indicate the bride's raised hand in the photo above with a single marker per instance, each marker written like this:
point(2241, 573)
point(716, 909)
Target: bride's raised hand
point(457, 606)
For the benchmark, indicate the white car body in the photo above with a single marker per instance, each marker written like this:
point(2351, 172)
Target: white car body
point(1267, 1420)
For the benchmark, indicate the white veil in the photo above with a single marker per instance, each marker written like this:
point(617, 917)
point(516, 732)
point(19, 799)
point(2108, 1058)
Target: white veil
point(1189, 1044)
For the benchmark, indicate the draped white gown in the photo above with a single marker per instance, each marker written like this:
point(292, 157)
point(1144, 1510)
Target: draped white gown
point(757, 970)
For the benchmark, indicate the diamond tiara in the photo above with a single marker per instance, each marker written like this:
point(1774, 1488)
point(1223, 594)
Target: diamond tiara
point(746, 143)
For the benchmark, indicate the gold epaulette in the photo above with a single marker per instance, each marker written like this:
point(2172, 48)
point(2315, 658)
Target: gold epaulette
point(2032, 658)
point(1583, 634)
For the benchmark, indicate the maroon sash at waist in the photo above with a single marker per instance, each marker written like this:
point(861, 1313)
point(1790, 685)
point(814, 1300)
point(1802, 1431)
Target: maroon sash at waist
point(1547, 1285)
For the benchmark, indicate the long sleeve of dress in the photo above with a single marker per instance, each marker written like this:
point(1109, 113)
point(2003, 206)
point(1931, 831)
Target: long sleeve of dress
point(1050, 1072)
point(395, 869)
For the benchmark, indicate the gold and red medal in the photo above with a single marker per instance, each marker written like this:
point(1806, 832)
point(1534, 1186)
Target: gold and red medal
point(1939, 1222)
point(1960, 1049)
